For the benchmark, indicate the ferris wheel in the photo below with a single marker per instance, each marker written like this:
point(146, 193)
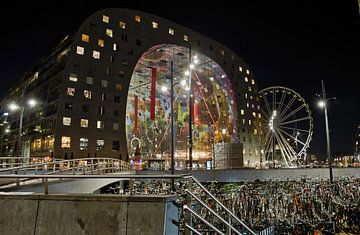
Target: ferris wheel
point(288, 127)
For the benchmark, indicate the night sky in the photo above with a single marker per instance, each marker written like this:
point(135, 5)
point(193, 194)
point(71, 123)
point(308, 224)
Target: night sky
point(288, 44)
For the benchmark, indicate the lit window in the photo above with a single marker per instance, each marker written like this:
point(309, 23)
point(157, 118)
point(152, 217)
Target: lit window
point(253, 106)
point(103, 96)
point(247, 71)
point(79, 50)
point(246, 79)
point(84, 123)
point(65, 142)
point(71, 91)
point(171, 31)
point(100, 124)
point(101, 43)
point(252, 81)
point(109, 33)
point(246, 95)
point(105, 19)
point(115, 47)
point(68, 106)
point(242, 112)
point(87, 94)
point(249, 88)
point(118, 87)
point(85, 38)
point(137, 18)
point(84, 143)
point(186, 38)
point(73, 77)
point(67, 121)
point(247, 105)
point(254, 114)
point(259, 115)
point(222, 52)
point(240, 69)
point(155, 25)
point(255, 132)
point(104, 83)
point(122, 24)
point(258, 107)
point(101, 110)
point(89, 80)
point(115, 126)
point(251, 97)
point(96, 54)
point(100, 144)
point(250, 122)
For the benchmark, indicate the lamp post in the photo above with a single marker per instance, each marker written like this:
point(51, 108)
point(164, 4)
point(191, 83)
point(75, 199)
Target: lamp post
point(323, 104)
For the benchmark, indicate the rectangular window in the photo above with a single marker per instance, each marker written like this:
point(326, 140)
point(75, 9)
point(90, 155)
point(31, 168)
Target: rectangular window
point(96, 54)
point(255, 132)
point(249, 88)
point(101, 110)
point(71, 91)
point(101, 43)
point(186, 38)
point(246, 95)
point(84, 123)
point(80, 50)
point(115, 126)
point(242, 112)
point(86, 108)
point(100, 144)
point(122, 24)
point(117, 99)
point(104, 83)
point(100, 125)
point(118, 87)
point(103, 96)
point(222, 52)
point(138, 18)
point(250, 122)
point(68, 106)
point(171, 31)
point(87, 94)
point(67, 121)
point(84, 143)
point(65, 142)
point(85, 38)
point(247, 71)
point(240, 69)
point(73, 77)
point(116, 145)
point(105, 19)
point(254, 114)
point(246, 79)
point(155, 25)
point(111, 61)
point(252, 81)
point(115, 47)
point(259, 115)
point(109, 33)
point(89, 80)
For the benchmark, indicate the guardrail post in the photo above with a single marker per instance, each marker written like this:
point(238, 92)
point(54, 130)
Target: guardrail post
point(73, 167)
point(131, 186)
point(46, 186)
point(92, 166)
point(187, 214)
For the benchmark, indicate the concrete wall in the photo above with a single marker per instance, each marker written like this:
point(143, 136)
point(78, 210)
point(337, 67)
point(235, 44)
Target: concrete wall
point(87, 214)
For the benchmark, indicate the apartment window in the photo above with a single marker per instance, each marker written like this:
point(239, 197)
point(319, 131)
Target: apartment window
point(240, 69)
point(85, 38)
point(115, 47)
point(258, 107)
point(101, 43)
point(68, 106)
point(122, 24)
point(259, 115)
point(104, 83)
point(124, 37)
point(99, 124)
point(155, 25)
point(84, 143)
point(73, 77)
point(222, 52)
point(246, 79)
point(109, 33)
point(100, 144)
point(65, 142)
point(252, 106)
point(250, 122)
point(115, 126)
point(87, 94)
point(71, 91)
point(138, 18)
point(247, 105)
point(96, 54)
point(251, 97)
point(103, 96)
point(84, 123)
point(86, 108)
point(186, 38)
point(254, 114)
point(255, 132)
point(118, 87)
point(89, 80)
point(67, 121)
point(247, 71)
point(105, 19)
point(116, 145)
point(80, 50)
point(252, 81)
point(117, 99)
point(246, 95)
point(101, 110)
point(249, 88)
point(242, 112)
point(171, 31)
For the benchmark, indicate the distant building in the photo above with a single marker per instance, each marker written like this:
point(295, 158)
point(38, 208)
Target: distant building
point(104, 92)
point(357, 142)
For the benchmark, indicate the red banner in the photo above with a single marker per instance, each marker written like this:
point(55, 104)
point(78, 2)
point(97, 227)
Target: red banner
point(152, 93)
point(136, 106)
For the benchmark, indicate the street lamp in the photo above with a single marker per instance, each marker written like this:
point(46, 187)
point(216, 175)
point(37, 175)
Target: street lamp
point(323, 104)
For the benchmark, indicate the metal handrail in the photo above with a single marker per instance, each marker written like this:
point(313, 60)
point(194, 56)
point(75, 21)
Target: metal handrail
point(202, 219)
point(222, 205)
point(212, 211)
point(192, 229)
